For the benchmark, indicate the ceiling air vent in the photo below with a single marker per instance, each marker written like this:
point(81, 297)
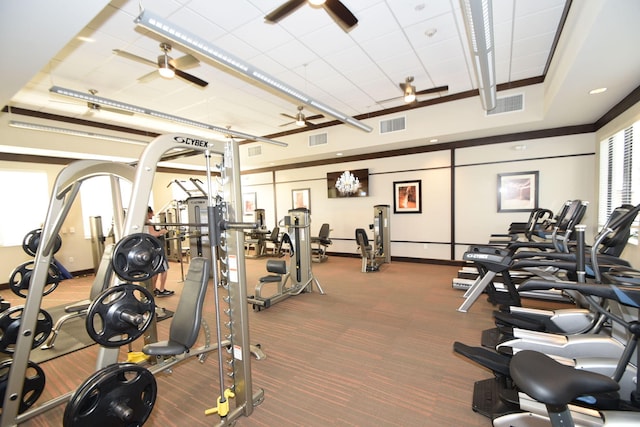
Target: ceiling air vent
point(256, 150)
point(393, 125)
point(318, 139)
point(508, 104)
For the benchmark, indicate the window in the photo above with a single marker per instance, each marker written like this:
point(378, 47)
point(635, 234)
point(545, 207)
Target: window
point(619, 174)
point(27, 200)
point(95, 199)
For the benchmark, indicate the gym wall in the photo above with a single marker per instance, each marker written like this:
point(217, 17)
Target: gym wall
point(565, 164)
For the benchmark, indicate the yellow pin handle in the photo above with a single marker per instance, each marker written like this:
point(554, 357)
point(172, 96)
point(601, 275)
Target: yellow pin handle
point(222, 408)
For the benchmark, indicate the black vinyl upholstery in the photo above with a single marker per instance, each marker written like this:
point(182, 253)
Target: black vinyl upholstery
point(186, 321)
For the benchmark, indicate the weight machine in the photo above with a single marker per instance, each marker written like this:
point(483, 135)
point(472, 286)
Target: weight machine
point(227, 269)
point(256, 239)
point(300, 273)
point(379, 252)
point(381, 234)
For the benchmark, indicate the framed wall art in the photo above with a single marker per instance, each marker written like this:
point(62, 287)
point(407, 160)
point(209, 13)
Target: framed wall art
point(301, 198)
point(248, 203)
point(407, 196)
point(517, 191)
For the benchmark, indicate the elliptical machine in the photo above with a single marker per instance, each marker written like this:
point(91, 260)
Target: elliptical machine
point(299, 273)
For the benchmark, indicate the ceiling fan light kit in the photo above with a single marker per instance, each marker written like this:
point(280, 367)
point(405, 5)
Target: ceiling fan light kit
point(166, 66)
point(162, 27)
point(478, 20)
point(409, 93)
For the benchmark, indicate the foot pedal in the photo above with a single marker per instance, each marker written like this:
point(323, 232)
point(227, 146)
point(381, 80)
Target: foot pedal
point(487, 401)
point(491, 338)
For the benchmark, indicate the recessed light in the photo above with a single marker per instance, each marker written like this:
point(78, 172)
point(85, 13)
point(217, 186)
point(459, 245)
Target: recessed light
point(520, 147)
point(430, 32)
point(597, 91)
point(433, 140)
point(338, 154)
point(86, 39)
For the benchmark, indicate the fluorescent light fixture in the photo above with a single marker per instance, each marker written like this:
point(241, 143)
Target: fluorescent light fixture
point(141, 110)
point(73, 132)
point(478, 20)
point(172, 32)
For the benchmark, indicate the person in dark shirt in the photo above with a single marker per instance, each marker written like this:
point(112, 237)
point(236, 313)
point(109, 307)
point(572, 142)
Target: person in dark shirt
point(159, 288)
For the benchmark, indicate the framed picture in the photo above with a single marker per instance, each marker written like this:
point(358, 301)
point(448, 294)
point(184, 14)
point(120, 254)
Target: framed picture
point(301, 198)
point(517, 191)
point(248, 203)
point(407, 196)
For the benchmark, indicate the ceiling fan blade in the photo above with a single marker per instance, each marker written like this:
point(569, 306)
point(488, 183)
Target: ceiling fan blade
point(395, 98)
point(282, 11)
point(433, 90)
point(134, 57)
point(340, 11)
point(286, 124)
point(191, 78)
point(185, 62)
point(149, 77)
point(288, 116)
point(316, 117)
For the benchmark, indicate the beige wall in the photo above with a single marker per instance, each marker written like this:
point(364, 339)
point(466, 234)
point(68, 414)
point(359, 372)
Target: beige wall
point(565, 166)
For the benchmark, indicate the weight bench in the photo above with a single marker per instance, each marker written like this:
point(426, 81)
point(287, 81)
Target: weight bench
point(80, 308)
point(185, 325)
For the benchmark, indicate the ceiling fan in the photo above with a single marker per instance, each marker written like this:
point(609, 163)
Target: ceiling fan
point(299, 119)
point(410, 94)
point(93, 107)
point(167, 67)
point(336, 9)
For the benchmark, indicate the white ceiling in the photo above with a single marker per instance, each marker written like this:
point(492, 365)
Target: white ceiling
point(349, 71)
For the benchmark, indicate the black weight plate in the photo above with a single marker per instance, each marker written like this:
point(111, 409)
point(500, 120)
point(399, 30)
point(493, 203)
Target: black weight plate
point(78, 400)
point(20, 279)
point(32, 388)
point(31, 242)
point(119, 395)
point(138, 257)
point(10, 321)
point(108, 317)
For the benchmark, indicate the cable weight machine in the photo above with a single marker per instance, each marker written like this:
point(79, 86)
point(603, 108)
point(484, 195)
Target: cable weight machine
point(299, 274)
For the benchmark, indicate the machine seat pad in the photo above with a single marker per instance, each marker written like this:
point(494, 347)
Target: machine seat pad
point(553, 383)
point(276, 266)
point(164, 348)
point(78, 307)
point(270, 279)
